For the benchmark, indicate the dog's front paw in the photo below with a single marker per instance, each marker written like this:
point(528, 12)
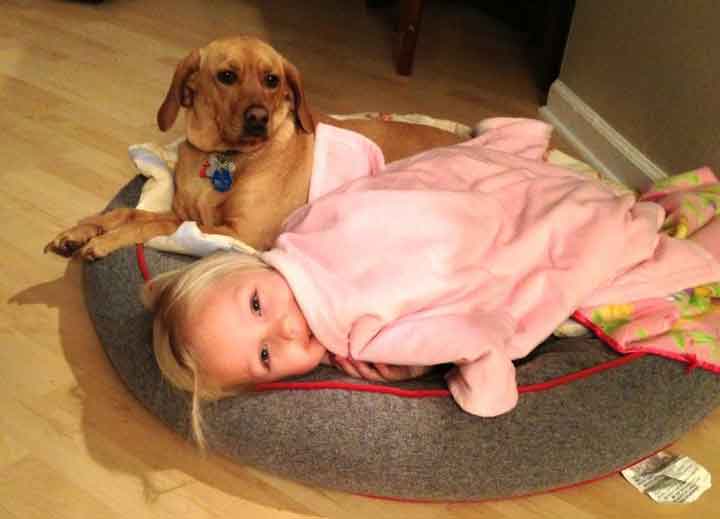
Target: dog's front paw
point(96, 248)
point(69, 242)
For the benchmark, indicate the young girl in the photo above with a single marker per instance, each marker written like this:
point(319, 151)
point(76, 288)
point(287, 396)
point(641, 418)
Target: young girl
point(469, 255)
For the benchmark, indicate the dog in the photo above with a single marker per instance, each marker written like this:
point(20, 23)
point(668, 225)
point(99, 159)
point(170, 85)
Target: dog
point(246, 113)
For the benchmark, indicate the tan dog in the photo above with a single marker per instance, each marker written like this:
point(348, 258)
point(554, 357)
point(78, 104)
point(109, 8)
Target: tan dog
point(242, 98)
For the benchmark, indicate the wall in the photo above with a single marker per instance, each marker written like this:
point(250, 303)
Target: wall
point(639, 88)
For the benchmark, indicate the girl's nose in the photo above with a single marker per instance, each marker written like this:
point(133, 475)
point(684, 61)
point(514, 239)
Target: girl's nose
point(287, 328)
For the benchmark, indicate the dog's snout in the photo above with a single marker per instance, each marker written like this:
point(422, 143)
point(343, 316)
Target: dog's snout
point(256, 119)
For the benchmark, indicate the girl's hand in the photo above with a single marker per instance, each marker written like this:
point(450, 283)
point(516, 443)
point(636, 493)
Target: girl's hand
point(377, 372)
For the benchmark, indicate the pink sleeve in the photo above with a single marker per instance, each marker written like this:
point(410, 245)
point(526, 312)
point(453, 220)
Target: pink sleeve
point(674, 266)
point(486, 386)
point(483, 383)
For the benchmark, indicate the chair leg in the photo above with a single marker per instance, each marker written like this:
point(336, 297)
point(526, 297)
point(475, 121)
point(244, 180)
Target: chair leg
point(409, 17)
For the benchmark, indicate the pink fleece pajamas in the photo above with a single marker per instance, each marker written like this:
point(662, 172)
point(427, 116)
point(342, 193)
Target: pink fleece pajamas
point(470, 254)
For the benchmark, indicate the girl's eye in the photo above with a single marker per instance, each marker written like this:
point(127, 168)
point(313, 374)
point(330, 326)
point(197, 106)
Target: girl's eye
point(255, 306)
point(265, 356)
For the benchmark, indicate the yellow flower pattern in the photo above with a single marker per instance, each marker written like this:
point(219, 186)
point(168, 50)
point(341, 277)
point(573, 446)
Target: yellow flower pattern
point(686, 322)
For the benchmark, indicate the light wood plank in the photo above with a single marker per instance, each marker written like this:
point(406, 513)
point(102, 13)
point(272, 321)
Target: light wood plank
point(32, 490)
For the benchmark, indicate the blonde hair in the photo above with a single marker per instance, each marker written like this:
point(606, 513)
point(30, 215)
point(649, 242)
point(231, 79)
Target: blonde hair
point(172, 297)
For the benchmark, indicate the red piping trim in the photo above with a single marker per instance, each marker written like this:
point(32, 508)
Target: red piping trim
point(587, 323)
point(349, 386)
point(430, 393)
point(688, 358)
point(521, 496)
point(578, 375)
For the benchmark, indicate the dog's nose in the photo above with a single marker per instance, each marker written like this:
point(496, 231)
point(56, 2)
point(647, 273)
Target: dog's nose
point(256, 119)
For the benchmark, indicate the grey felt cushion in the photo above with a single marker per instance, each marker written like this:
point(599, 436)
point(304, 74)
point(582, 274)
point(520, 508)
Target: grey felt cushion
point(419, 448)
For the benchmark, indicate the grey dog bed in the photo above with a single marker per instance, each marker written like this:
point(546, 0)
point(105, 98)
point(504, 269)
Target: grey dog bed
point(584, 411)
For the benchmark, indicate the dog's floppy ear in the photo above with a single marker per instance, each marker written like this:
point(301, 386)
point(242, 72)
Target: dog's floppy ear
point(179, 94)
point(303, 117)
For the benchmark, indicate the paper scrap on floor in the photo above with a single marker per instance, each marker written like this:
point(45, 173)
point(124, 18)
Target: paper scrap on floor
point(669, 478)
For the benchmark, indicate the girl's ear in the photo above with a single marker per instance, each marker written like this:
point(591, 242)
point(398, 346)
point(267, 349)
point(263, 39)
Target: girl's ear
point(150, 294)
point(152, 291)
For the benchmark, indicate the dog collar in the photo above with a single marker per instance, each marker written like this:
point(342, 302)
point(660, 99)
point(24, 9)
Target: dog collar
point(219, 169)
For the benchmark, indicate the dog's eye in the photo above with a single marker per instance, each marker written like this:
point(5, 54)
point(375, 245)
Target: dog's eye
point(227, 77)
point(271, 80)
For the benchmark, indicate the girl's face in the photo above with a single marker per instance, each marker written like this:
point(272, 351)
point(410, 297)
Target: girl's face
point(249, 328)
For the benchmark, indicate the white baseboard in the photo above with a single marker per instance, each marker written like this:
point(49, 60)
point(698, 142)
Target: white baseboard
point(597, 142)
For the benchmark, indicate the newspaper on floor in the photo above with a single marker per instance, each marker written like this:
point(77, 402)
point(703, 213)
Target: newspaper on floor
point(668, 478)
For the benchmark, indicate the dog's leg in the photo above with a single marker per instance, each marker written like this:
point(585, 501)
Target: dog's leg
point(70, 241)
point(140, 232)
point(127, 235)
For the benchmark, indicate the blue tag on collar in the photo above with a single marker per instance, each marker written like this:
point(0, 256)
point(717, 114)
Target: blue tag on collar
point(219, 170)
point(221, 180)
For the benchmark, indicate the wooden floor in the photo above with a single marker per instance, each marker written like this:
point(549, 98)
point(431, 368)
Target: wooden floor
point(81, 82)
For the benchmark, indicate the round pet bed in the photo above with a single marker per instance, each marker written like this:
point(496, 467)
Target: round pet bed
point(584, 411)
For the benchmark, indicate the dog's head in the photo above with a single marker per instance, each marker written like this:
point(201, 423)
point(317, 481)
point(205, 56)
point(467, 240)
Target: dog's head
point(238, 92)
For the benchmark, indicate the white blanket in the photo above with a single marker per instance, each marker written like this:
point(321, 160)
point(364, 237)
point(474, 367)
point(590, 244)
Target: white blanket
point(157, 164)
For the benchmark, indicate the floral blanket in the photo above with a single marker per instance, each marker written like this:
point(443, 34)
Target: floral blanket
point(685, 325)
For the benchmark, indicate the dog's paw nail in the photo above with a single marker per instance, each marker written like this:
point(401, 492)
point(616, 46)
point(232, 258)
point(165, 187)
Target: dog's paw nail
point(65, 248)
point(92, 252)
